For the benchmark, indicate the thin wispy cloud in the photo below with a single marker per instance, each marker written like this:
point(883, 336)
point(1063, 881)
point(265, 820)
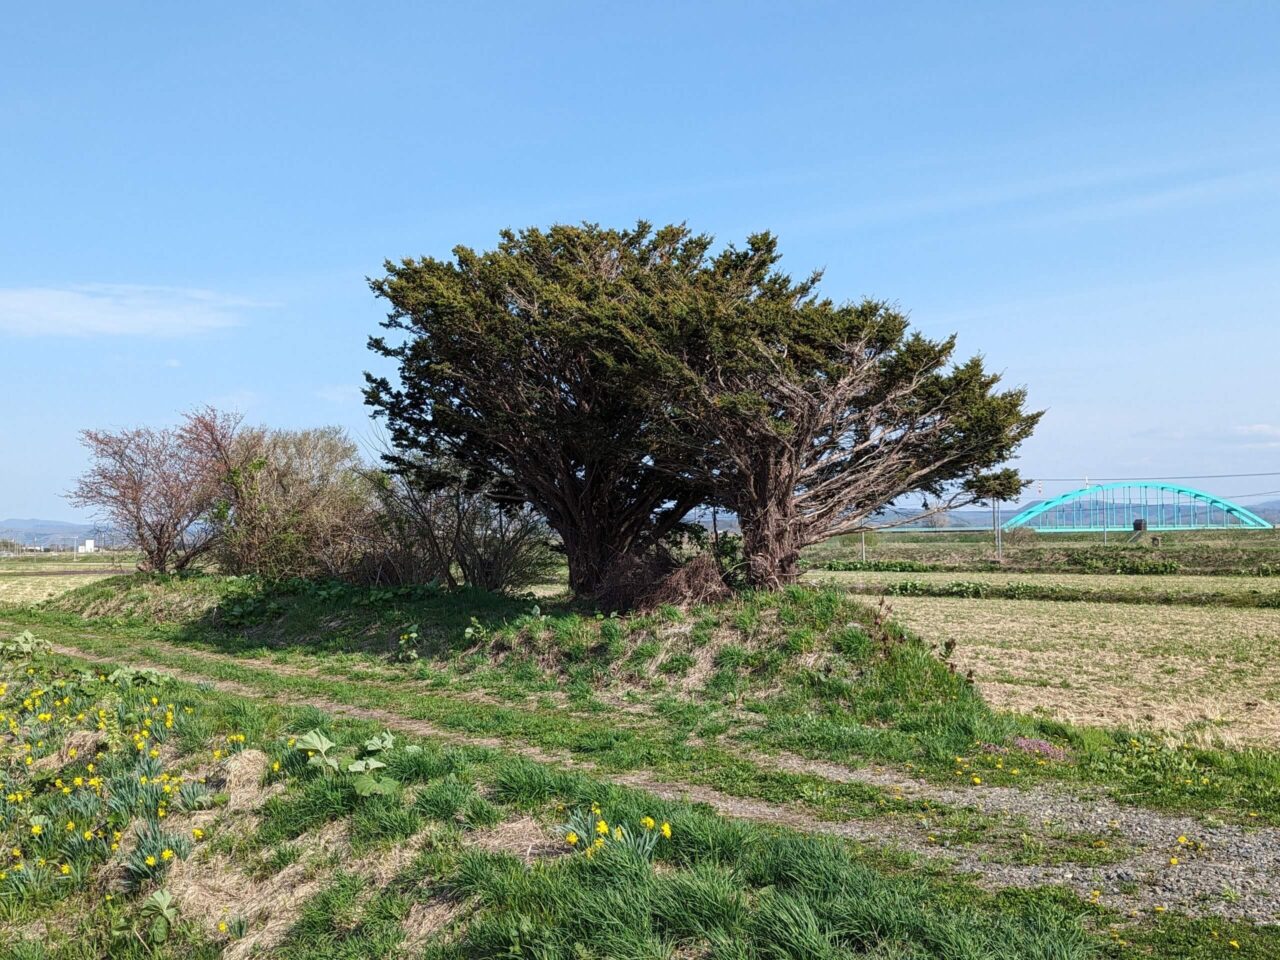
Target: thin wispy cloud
point(1205, 190)
point(345, 394)
point(116, 310)
point(1264, 436)
point(241, 401)
point(1079, 195)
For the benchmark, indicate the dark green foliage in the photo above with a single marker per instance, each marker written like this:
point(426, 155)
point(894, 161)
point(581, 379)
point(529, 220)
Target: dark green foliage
point(616, 379)
point(515, 362)
point(806, 417)
point(886, 566)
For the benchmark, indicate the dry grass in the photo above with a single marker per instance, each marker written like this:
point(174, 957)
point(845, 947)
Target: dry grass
point(427, 920)
point(1192, 670)
point(29, 589)
point(216, 889)
point(522, 837)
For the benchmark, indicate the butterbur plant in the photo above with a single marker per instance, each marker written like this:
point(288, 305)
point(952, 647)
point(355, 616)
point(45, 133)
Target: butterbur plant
point(408, 644)
point(25, 645)
point(366, 781)
point(319, 750)
point(383, 741)
point(317, 746)
point(588, 832)
point(161, 909)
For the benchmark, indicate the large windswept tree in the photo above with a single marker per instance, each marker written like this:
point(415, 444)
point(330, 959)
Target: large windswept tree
point(616, 379)
point(515, 364)
point(809, 418)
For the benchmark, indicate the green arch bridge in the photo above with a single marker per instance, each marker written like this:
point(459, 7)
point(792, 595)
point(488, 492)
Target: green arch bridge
point(1116, 506)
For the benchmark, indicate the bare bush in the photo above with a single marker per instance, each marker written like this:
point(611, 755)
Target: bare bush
point(159, 485)
point(440, 528)
point(699, 581)
point(295, 503)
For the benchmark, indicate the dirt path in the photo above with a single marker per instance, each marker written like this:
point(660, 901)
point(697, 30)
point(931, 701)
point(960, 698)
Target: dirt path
point(1235, 873)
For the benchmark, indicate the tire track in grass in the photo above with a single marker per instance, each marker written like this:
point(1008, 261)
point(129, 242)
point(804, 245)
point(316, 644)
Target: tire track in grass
point(1137, 884)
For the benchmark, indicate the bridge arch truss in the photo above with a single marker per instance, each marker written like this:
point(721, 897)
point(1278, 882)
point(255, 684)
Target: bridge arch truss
point(1116, 506)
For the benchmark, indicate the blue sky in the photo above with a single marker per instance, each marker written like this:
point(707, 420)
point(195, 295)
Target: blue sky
point(1089, 194)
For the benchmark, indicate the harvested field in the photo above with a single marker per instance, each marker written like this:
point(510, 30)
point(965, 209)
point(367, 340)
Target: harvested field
point(27, 588)
point(1087, 582)
point(1205, 671)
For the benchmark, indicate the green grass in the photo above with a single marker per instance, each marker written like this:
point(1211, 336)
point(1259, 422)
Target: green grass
point(809, 672)
point(723, 882)
point(722, 888)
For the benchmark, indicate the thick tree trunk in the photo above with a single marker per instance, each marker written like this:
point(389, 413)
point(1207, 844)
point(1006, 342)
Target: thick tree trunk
point(590, 554)
point(602, 540)
point(771, 545)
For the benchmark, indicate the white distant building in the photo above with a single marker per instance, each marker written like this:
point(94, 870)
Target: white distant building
point(87, 547)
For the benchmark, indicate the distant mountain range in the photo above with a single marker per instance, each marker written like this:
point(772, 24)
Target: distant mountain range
point(43, 533)
point(1267, 511)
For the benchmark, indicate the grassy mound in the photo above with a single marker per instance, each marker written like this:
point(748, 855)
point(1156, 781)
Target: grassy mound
point(322, 615)
point(810, 672)
point(144, 597)
point(797, 650)
point(815, 667)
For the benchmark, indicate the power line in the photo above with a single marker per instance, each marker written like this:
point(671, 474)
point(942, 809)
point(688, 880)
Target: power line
point(1138, 479)
point(1249, 496)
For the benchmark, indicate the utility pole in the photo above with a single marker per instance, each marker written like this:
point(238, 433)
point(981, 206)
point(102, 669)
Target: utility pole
point(995, 528)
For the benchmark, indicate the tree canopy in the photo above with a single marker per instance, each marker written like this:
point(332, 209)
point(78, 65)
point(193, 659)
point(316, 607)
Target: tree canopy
point(616, 379)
